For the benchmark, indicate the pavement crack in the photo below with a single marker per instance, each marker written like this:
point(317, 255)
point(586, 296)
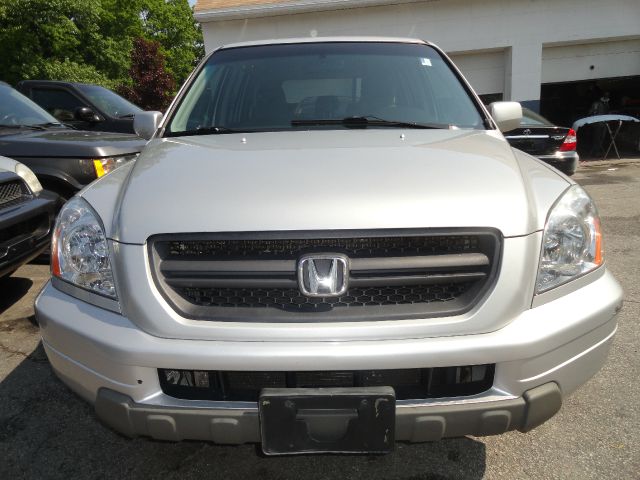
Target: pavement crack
point(12, 351)
point(19, 353)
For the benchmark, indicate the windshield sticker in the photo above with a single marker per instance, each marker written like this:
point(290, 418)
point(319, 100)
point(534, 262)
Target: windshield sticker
point(426, 62)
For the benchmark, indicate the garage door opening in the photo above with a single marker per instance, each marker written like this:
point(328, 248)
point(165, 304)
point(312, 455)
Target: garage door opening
point(563, 103)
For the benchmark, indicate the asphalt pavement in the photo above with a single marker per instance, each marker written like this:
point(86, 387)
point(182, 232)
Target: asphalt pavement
point(46, 431)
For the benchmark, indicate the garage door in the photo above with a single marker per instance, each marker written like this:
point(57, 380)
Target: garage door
point(590, 61)
point(485, 70)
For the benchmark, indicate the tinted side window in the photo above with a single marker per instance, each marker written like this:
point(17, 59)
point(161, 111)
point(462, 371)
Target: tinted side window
point(59, 103)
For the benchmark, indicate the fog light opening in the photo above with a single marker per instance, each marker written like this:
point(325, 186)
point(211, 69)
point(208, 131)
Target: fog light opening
point(183, 378)
point(201, 379)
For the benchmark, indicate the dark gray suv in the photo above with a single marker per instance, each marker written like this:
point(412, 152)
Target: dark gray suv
point(63, 158)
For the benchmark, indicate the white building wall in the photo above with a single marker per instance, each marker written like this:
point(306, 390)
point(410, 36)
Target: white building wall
point(591, 60)
point(520, 30)
point(484, 70)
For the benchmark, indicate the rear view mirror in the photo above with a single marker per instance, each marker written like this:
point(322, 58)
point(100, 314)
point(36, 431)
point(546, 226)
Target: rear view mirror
point(85, 114)
point(507, 115)
point(145, 124)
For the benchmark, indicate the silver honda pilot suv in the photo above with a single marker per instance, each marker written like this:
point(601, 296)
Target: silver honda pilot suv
point(328, 246)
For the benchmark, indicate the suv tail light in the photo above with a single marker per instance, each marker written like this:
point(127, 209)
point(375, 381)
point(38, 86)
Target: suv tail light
point(570, 141)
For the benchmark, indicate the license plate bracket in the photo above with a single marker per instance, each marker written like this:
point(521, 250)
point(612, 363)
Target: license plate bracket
point(327, 420)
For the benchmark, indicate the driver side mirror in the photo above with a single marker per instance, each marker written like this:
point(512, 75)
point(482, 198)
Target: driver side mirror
point(85, 114)
point(145, 124)
point(507, 115)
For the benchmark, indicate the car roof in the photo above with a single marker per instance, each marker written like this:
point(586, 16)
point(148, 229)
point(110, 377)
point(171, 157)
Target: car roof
point(55, 82)
point(350, 39)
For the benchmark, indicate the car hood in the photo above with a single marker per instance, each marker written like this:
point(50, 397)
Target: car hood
point(325, 180)
point(68, 143)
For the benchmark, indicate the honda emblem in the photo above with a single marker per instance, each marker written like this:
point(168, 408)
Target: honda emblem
point(323, 275)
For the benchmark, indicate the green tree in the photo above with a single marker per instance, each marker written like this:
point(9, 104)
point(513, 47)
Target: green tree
point(92, 40)
point(171, 23)
point(151, 85)
point(42, 37)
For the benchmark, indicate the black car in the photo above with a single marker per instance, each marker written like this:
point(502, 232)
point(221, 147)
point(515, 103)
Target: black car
point(82, 105)
point(539, 137)
point(64, 159)
point(26, 216)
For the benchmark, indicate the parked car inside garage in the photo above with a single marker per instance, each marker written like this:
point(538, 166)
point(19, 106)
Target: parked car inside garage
point(82, 105)
point(26, 215)
point(63, 159)
point(539, 137)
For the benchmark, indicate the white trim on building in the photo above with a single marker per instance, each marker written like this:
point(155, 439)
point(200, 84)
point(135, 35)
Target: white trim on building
point(294, 7)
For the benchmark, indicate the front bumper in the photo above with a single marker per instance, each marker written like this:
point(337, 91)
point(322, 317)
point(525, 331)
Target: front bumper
point(414, 423)
point(546, 352)
point(31, 223)
point(565, 161)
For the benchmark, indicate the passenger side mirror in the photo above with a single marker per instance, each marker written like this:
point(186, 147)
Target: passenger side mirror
point(145, 124)
point(85, 114)
point(507, 115)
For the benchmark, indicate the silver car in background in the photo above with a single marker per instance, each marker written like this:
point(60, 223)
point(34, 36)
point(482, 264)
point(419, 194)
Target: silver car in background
point(327, 246)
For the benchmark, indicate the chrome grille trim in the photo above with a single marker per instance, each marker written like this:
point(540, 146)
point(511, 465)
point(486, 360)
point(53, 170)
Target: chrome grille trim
point(396, 274)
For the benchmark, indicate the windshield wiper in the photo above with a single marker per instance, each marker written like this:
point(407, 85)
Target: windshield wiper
point(368, 121)
point(23, 127)
point(215, 130)
point(50, 124)
point(127, 115)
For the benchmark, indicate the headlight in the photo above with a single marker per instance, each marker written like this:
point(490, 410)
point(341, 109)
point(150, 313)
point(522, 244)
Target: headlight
point(79, 250)
point(102, 166)
point(572, 241)
point(29, 177)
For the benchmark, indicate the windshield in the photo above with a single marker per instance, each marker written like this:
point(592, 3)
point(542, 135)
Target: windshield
point(288, 87)
point(18, 110)
point(109, 102)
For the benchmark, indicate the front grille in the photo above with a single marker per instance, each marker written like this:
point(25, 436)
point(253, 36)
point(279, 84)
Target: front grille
point(409, 383)
point(353, 247)
point(292, 299)
point(36, 228)
point(12, 193)
point(391, 275)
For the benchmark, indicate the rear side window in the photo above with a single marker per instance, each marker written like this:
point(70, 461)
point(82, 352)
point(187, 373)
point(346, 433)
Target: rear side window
point(59, 103)
point(109, 102)
point(268, 87)
point(531, 118)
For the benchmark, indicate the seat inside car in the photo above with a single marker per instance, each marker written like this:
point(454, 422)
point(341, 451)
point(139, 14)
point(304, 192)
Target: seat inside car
point(271, 106)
